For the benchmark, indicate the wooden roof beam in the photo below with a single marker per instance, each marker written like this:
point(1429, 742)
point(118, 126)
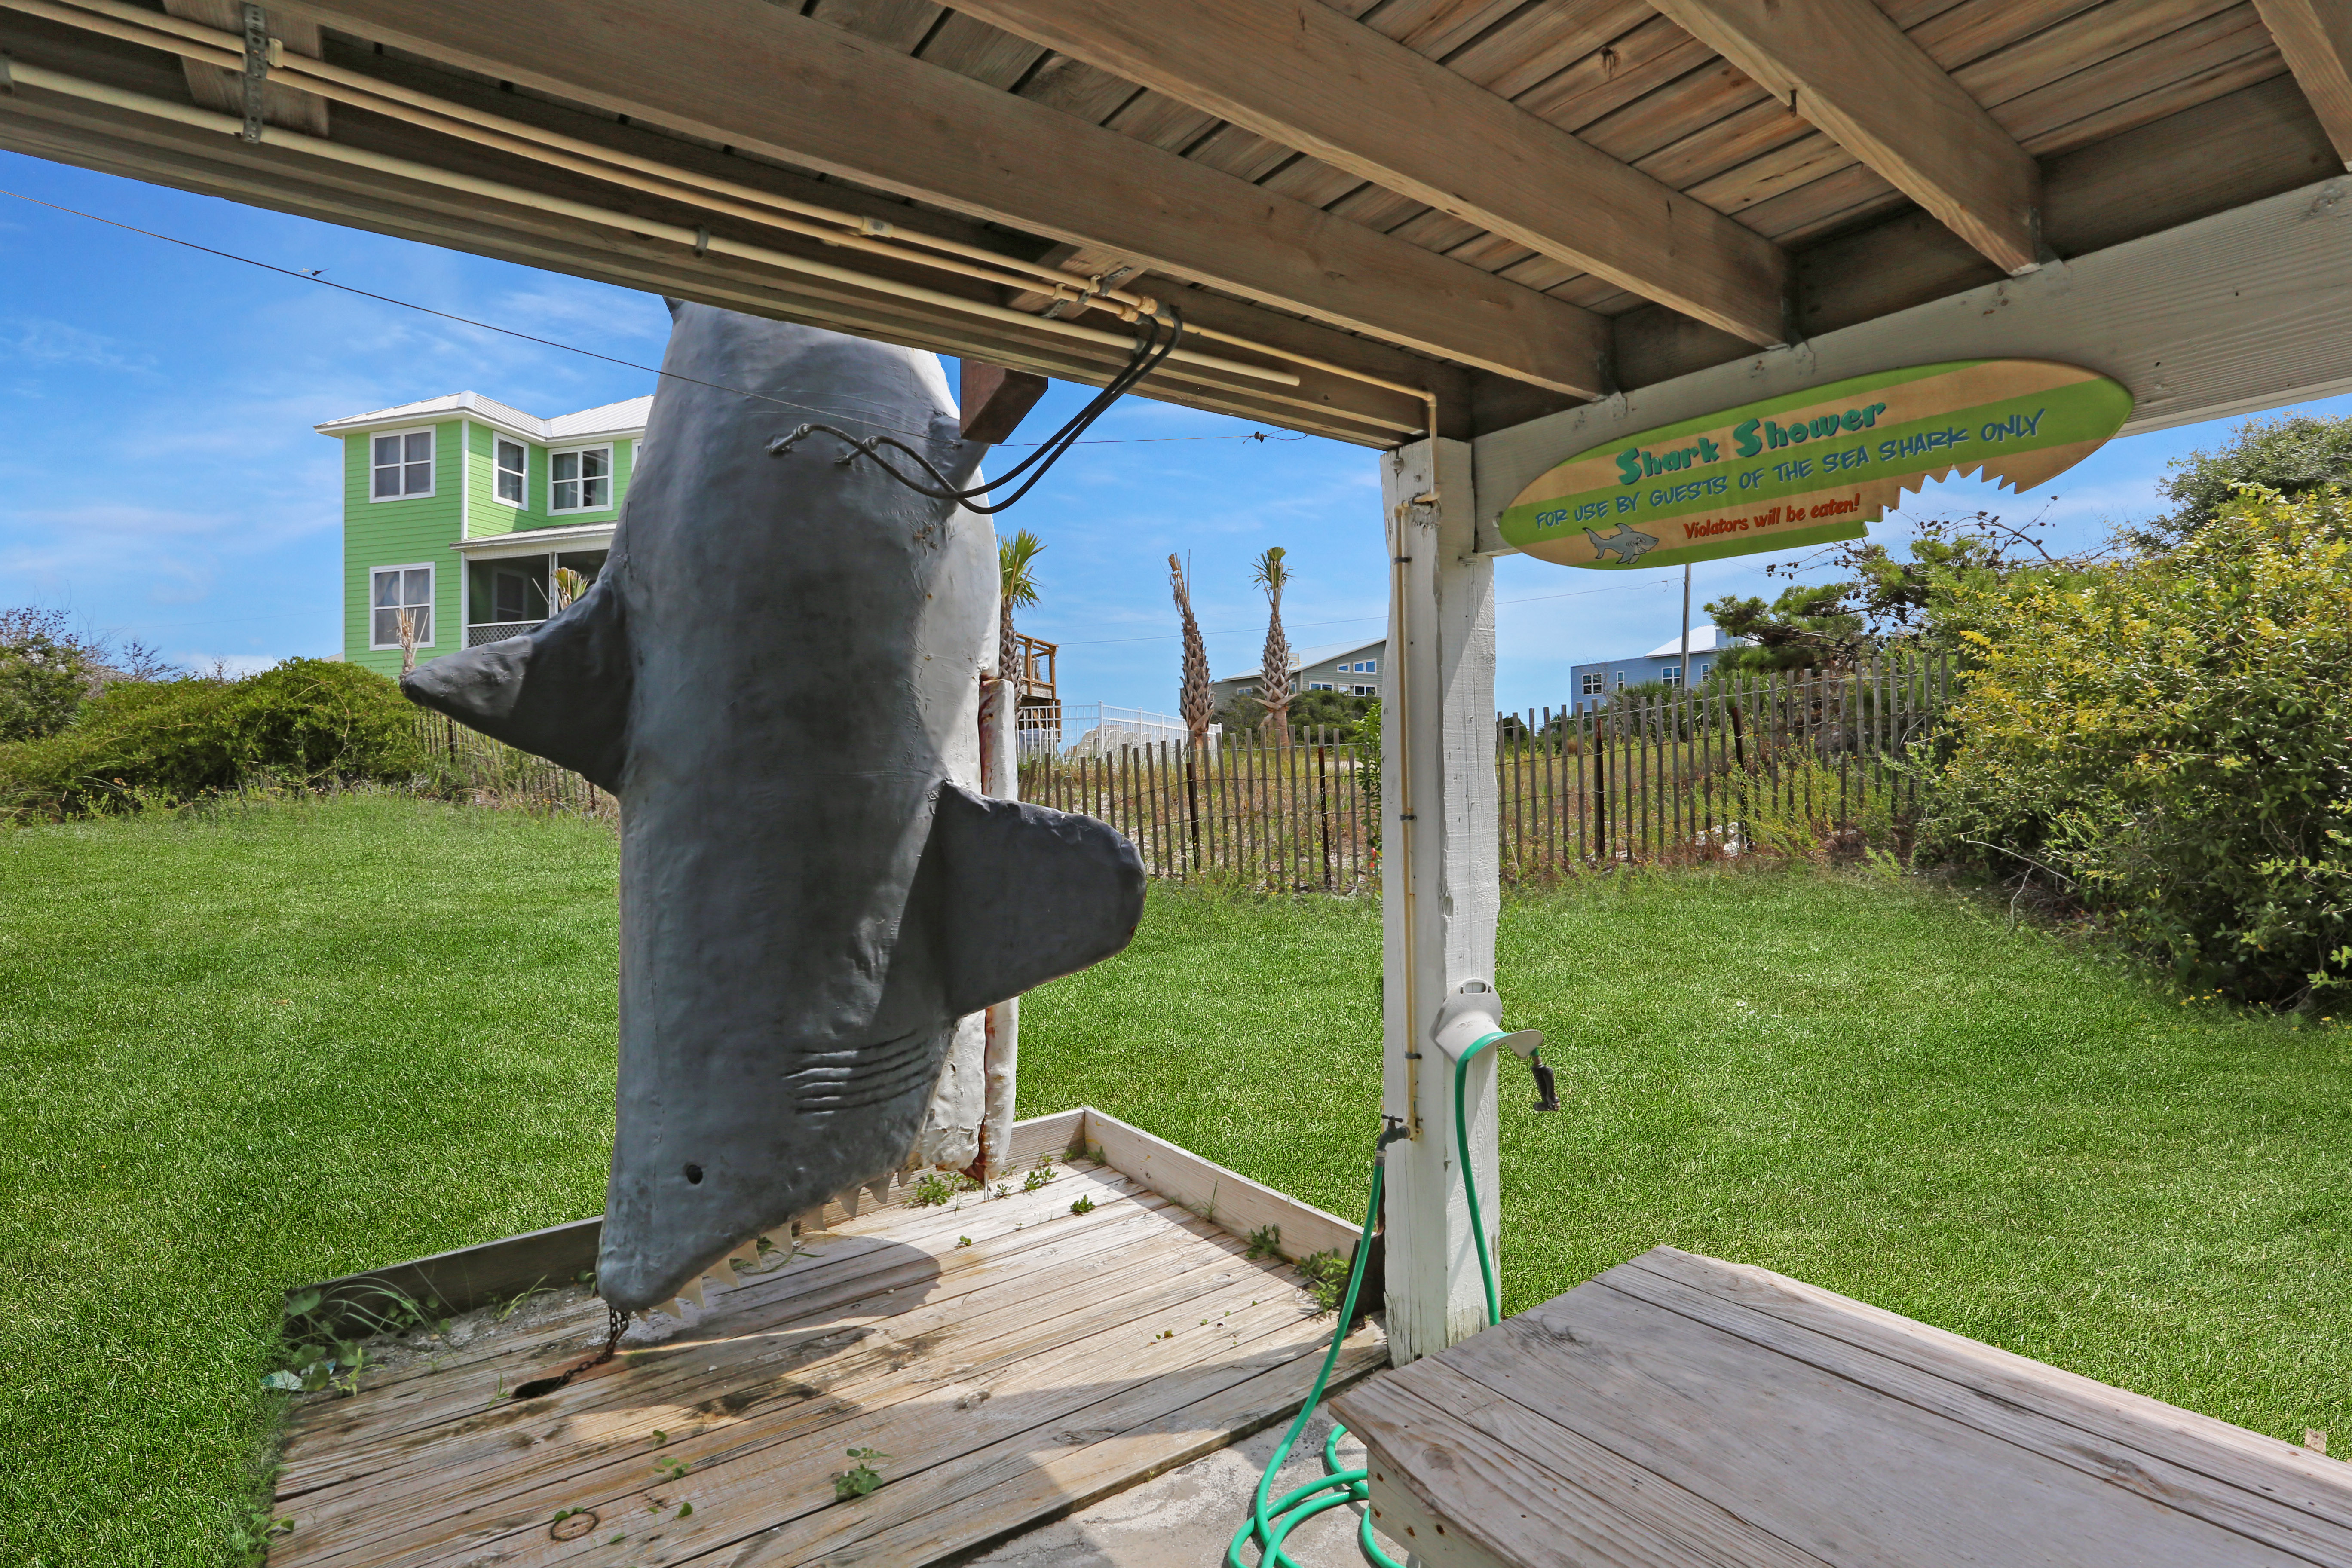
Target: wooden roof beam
point(1846, 67)
point(755, 76)
point(1302, 74)
point(2315, 37)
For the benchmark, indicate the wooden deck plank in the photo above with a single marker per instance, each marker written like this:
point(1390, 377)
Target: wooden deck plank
point(506, 1451)
point(1226, 1197)
point(750, 1333)
point(1814, 1460)
point(926, 1414)
point(2010, 1385)
point(1086, 1474)
point(2244, 1511)
point(1011, 1357)
point(1581, 1505)
point(736, 1428)
point(1653, 1414)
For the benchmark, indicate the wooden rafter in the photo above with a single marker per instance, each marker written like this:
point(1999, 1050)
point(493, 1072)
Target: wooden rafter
point(2315, 37)
point(1846, 67)
point(1306, 76)
point(748, 74)
point(192, 159)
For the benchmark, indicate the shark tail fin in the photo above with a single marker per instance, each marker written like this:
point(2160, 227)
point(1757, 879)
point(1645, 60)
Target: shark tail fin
point(560, 691)
point(1032, 894)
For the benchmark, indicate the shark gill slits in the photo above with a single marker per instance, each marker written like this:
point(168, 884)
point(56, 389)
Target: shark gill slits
point(693, 1175)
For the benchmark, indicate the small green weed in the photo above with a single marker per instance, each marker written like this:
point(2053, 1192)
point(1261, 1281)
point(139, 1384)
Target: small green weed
point(937, 1188)
point(1327, 1277)
point(861, 1478)
point(1083, 1207)
point(1039, 1174)
point(1266, 1241)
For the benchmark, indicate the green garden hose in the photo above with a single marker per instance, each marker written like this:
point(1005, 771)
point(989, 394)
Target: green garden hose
point(1271, 1522)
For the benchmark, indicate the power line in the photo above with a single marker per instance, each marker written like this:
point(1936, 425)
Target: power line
point(314, 276)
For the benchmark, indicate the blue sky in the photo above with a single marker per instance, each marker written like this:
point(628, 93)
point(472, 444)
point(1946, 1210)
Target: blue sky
point(160, 478)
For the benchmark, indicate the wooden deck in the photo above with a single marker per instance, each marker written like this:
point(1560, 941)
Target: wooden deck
point(1679, 1411)
point(1014, 1360)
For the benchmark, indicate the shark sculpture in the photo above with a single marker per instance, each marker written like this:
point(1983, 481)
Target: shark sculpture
point(770, 673)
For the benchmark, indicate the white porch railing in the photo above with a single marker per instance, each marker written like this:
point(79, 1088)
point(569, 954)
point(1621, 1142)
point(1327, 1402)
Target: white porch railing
point(496, 631)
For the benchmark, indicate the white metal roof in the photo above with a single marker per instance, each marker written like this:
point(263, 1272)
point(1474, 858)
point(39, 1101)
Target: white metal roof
point(1708, 638)
point(626, 418)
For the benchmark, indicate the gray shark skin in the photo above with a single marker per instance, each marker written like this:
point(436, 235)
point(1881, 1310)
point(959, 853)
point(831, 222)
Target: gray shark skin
point(766, 674)
point(1623, 543)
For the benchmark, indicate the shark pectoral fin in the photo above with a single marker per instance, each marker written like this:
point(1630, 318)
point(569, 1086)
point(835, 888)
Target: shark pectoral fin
point(561, 692)
point(1032, 894)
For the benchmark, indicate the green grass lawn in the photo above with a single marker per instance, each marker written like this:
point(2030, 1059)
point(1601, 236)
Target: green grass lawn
point(1882, 1090)
point(245, 1051)
point(253, 1048)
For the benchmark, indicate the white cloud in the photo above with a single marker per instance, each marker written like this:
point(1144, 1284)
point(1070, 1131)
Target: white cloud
point(43, 341)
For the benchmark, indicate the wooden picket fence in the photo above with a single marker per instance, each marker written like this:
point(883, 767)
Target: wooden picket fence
point(1787, 763)
point(466, 763)
point(1297, 816)
point(1792, 763)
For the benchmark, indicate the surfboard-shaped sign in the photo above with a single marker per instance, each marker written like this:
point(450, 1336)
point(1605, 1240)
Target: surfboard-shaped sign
point(1812, 466)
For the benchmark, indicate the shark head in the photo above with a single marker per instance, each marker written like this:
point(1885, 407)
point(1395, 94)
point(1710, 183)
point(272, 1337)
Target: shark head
point(771, 674)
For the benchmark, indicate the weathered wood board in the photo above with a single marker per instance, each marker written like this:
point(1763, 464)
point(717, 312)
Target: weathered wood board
point(1013, 1359)
point(1678, 1410)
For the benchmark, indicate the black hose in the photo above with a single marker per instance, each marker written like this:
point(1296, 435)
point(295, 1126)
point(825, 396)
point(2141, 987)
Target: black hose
point(1149, 351)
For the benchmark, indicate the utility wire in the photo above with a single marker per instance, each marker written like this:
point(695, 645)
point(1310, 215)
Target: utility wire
point(569, 348)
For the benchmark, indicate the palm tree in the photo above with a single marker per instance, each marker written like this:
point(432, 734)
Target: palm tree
point(1195, 702)
point(1018, 590)
point(1273, 692)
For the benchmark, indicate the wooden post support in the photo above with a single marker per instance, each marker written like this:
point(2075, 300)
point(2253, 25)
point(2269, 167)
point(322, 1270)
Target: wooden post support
point(994, 399)
point(1439, 887)
point(1000, 776)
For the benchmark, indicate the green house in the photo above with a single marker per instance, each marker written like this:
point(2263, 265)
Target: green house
point(459, 511)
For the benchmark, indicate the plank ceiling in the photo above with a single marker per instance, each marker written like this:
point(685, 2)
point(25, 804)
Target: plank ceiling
point(2141, 114)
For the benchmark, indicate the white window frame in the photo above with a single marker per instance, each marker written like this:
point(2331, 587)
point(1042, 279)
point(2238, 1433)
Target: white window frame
point(432, 463)
point(1590, 683)
point(612, 476)
point(1363, 691)
point(1320, 686)
point(432, 605)
point(499, 470)
point(1670, 674)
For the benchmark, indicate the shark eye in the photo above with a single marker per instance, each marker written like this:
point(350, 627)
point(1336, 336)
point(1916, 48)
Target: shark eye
point(694, 1175)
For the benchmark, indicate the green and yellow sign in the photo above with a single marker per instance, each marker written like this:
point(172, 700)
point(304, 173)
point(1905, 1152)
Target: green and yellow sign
point(1814, 466)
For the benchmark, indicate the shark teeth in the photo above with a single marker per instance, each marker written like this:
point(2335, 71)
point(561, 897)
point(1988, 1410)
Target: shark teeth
point(692, 1292)
point(848, 1200)
point(724, 1273)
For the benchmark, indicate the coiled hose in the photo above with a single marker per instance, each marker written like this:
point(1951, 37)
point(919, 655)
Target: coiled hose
point(1271, 1521)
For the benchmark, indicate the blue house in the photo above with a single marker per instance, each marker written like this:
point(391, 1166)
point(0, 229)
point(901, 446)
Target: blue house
point(1593, 683)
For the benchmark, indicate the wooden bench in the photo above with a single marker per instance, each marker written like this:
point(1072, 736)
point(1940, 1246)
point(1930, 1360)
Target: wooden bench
point(1678, 1410)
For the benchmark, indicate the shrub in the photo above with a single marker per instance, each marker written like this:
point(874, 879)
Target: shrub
point(42, 680)
point(2172, 737)
point(305, 722)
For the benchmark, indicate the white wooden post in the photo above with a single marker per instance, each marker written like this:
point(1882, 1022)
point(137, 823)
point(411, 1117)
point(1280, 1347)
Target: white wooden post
point(1439, 886)
point(999, 740)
